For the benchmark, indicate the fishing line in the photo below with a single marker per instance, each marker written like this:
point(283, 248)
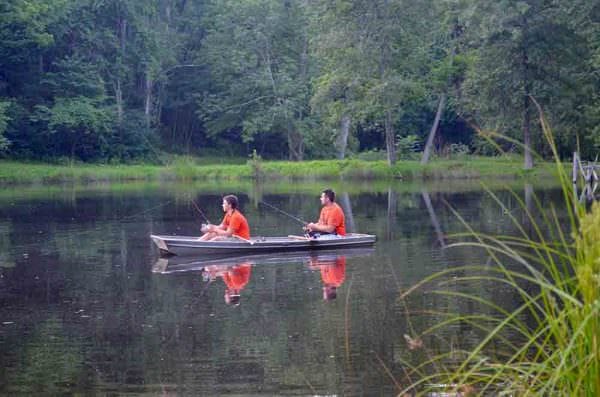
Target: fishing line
point(303, 222)
point(200, 211)
point(148, 210)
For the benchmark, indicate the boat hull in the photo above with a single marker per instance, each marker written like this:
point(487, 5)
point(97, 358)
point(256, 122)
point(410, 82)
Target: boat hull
point(189, 245)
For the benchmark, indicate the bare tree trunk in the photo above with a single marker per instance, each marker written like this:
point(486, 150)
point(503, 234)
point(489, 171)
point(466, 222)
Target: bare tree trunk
point(295, 145)
point(168, 17)
point(122, 33)
point(295, 137)
point(347, 206)
point(527, 134)
point(528, 164)
point(122, 30)
point(384, 62)
point(119, 100)
point(441, 103)
point(434, 128)
point(390, 138)
point(148, 99)
point(342, 139)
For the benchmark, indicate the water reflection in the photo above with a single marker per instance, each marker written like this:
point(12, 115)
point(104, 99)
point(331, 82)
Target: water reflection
point(333, 273)
point(173, 264)
point(234, 277)
point(88, 308)
point(434, 219)
point(235, 271)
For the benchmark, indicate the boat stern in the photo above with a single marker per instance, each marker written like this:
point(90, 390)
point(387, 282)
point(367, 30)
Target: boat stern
point(160, 243)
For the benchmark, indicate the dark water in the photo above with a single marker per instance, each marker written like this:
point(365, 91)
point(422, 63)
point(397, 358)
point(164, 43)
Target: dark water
point(82, 310)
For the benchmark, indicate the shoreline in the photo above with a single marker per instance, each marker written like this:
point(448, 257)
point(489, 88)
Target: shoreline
point(469, 167)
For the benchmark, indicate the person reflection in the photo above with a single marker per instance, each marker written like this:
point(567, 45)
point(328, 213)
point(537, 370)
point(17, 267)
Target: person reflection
point(333, 273)
point(235, 278)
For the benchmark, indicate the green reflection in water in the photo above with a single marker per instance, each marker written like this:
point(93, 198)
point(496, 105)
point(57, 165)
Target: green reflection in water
point(82, 265)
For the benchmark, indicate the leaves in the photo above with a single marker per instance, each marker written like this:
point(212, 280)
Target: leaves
point(255, 51)
point(267, 74)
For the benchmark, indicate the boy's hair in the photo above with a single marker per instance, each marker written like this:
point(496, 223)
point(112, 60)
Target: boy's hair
point(232, 200)
point(330, 194)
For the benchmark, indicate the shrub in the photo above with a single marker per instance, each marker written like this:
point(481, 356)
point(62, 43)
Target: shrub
point(372, 155)
point(408, 147)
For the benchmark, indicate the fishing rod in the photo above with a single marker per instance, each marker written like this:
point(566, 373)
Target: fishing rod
point(303, 222)
point(200, 211)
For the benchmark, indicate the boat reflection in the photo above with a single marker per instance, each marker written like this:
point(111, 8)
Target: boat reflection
point(186, 264)
point(235, 271)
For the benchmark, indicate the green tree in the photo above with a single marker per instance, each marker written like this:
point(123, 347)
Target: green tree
point(257, 54)
point(373, 55)
point(523, 49)
point(182, 76)
point(78, 126)
point(448, 65)
point(24, 37)
point(109, 55)
point(585, 19)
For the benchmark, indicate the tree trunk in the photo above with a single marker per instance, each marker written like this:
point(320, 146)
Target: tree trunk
point(526, 126)
point(344, 200)
point(295, 137)
point(148, 99)
point(527, 134)
point(434, 128)
point(122, 29)
point(295, 145)
point(119, 100)
point(441, 104)
point(342, 139)
point(390, 138)
point(122, 34)
point(168, 17)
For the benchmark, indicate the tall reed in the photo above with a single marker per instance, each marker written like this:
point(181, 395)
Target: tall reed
point(549, 343)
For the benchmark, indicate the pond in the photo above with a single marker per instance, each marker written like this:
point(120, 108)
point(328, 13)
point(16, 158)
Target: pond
point(88, 306)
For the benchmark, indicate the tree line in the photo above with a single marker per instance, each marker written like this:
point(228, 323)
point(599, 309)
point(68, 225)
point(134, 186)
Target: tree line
point(122, 80)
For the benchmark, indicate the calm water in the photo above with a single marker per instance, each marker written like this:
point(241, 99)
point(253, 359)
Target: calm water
point(88, 307)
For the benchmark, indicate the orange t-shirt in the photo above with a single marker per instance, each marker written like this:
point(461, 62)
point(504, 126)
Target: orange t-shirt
point(238, 224)
point(334, 274)
point(334, 216)
point(238, 276)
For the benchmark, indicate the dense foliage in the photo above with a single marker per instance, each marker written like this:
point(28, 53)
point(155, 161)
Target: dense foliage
point(119, 80)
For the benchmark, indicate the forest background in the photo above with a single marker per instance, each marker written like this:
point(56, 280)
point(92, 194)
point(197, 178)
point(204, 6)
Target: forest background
point(121, 81)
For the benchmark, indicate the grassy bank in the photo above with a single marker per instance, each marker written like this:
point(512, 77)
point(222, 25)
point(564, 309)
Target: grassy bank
point(192, 169)
point(548, 344)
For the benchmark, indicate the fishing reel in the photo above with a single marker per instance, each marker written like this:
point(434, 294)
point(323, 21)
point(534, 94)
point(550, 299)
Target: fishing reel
point(204, 228)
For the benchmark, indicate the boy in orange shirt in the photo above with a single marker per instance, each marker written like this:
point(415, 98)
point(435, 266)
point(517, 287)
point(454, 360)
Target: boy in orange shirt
point(234, 223)
point(331, 222)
